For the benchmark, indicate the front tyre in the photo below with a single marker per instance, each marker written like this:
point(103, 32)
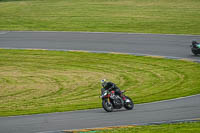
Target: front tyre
point(194, 52)
point(128, 103)
point(107, 105)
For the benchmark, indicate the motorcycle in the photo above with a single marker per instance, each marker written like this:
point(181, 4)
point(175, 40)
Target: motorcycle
point(195, 47)
point(111, 101)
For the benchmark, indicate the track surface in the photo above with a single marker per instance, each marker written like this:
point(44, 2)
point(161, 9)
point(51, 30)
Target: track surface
point(162, 45)
point(179, 109)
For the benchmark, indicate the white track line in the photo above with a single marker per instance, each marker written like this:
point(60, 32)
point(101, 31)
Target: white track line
point(117, 33)
point(92, 51)
point(3, 32)
point(179, 98)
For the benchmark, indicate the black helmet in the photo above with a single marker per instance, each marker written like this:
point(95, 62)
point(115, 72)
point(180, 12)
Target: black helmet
point(194, 42)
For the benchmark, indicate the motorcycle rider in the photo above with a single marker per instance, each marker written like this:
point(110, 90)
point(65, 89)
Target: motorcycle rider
point(110, 86)
point(194, 44)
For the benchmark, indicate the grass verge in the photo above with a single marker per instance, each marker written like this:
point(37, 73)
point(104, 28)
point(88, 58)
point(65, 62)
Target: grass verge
point(138, 16)
point(40, 81)
point(188, 127)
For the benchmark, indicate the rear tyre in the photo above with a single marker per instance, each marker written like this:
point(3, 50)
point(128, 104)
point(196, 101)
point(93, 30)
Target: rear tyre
point(128, 103)
point(107, 105)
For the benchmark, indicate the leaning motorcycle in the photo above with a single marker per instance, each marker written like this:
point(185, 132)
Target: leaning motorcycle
point(195, 48)
point(111, 101)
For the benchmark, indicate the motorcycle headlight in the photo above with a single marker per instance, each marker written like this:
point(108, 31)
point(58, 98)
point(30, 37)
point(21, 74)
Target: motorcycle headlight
point(105, 93)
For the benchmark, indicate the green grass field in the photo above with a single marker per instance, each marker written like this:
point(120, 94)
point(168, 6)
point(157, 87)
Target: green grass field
point(51, 81)
point(41, 81)
point(192, 127)
point(136, 16)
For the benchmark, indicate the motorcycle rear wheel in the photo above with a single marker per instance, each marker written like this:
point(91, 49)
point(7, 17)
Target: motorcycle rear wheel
point(129, 105)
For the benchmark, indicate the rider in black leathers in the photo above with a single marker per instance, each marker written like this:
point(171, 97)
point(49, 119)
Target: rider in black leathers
point(110, 86)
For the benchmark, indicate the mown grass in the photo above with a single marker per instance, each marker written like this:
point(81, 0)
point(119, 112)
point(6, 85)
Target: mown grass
point(138, 16)
point(39, 81)
point(189, 127)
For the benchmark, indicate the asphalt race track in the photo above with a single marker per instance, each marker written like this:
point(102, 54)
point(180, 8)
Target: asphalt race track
point(142, 44)
point(171, 46)
point(165, 111)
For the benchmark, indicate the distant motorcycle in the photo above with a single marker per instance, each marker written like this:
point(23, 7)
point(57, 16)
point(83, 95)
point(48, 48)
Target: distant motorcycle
point(195, 47)
point(111, 101)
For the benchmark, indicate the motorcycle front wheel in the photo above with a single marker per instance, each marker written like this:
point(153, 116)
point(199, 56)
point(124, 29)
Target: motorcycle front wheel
point(194, 52)
point(107, 105)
